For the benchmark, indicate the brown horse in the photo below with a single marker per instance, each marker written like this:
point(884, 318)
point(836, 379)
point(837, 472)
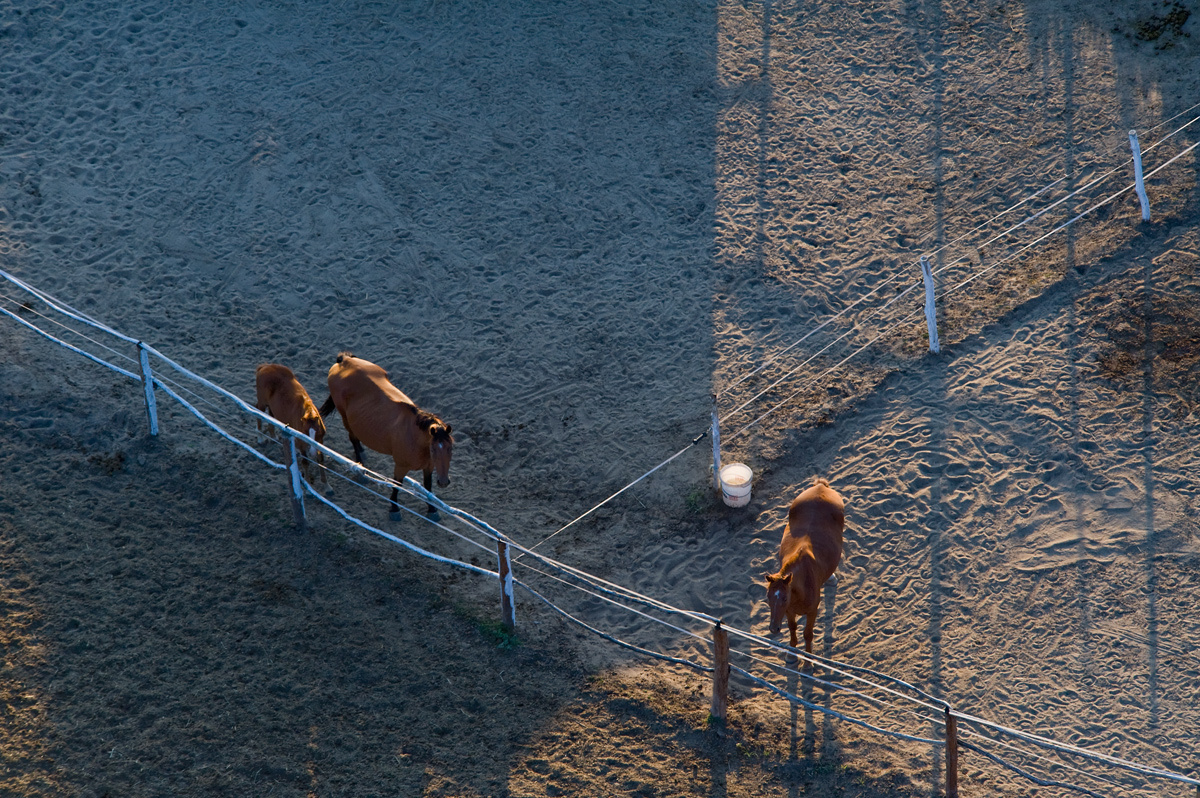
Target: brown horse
point(808, 555)
point(281, 395)
point(377, 413)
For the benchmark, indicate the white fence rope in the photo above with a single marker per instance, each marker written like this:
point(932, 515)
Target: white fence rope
point(417, 491)
point(411, 488)
point(66, 345)
point(1047, 762)
point(1025, 774)
point(955, 287)
point(394, 539)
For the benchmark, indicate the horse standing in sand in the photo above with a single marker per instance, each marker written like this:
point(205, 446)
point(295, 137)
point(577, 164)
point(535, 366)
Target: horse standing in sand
point(377, 413)
point(808, 555)
point(280, 395)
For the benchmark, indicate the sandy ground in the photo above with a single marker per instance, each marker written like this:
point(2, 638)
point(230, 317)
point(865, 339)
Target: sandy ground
point(562, 227)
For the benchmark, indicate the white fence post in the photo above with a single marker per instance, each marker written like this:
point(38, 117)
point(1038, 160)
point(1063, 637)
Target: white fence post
point(148, 387)
point(716, 441)
point(1139, 182)
point(930, 305)
point(508, 610)
point(297, 486)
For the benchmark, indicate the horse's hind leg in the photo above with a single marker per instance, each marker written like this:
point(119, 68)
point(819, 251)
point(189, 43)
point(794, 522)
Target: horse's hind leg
point(263, 408)
point(358, 448)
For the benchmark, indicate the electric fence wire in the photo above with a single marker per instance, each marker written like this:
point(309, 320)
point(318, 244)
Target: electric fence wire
point(795, 699)
point(842, 669)
point(839, 689)
point(1044, 761)
point(29, 308)
point(71, 347)
point(945, 292)
point(66, 310)
point(615, 603)
point(941, 269)
point(1040, 741)
point(613, 638)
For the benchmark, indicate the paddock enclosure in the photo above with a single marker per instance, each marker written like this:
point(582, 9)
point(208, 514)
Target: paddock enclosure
point(564, 227)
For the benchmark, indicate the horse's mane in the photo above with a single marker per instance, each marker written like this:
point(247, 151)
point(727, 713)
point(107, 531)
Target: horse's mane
point(343, 355)
point(795, 555)
point(425, 420)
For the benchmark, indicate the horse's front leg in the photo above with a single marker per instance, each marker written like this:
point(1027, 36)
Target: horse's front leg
point(394, 508)
point(792, 628)
point(430, 510)
point(808, 631)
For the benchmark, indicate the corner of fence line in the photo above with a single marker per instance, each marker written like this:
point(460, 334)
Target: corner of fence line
point(148, 387)
point(930, 305)
point(508, 610)
point(1139, 181)
point(297, 484)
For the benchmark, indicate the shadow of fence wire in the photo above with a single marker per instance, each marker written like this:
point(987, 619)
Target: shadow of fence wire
point(858, 696)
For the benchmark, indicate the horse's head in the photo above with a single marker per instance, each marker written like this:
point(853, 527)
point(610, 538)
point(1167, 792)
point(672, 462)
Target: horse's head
point(441, 446)
point(778, 593)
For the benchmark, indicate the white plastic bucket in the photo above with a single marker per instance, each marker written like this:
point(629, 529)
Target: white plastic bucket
point(735, 484)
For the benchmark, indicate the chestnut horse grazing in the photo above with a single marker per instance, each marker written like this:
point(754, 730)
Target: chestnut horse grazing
point(377, 413)
point(281, 395)
point(808, 555)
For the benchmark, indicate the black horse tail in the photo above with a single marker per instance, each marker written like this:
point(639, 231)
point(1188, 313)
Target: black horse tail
point(326, 408)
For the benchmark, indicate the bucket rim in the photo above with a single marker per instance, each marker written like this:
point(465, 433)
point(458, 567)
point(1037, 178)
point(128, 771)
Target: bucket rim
point(737, 473)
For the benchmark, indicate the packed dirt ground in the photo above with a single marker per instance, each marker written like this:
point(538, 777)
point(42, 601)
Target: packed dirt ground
point(563, 227)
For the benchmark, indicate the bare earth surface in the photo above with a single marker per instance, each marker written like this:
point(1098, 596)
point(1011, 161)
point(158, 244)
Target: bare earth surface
point(562, 227)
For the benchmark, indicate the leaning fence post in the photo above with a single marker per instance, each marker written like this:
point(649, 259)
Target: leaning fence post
point(716, 440)
point(930, 306)
point(148, 387)
point(508, 611)
point(951, 754)
point(720, 690)
point(293, 464)
point(1139, 183)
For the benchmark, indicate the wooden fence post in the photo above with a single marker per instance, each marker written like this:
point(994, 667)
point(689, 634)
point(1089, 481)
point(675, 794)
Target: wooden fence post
point(293, 464)
point(508, 610)
point(148, 387)
point(1139, 184)
point(720, 690)
point(951, 755)
point(930, 305)
point(716, 441)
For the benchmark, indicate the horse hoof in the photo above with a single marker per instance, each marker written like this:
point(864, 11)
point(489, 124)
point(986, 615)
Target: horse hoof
point(435, 516)
point(396, 515)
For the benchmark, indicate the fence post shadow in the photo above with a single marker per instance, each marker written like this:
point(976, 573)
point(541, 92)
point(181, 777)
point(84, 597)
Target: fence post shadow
point(1148, 441)
point(718, 767)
